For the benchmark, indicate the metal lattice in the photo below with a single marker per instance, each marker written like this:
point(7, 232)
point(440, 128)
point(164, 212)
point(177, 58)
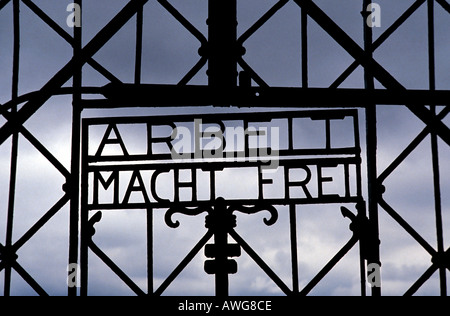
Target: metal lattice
point(231, 82)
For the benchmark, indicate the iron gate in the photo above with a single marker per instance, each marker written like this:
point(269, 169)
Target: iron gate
point(223, 51)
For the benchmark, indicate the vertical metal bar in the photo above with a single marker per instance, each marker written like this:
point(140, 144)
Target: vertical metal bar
point(222, 38)
point(304, 31)
point(221, 241)
point(294, 251)
point(150, 287)
point(371, 131)
point(139, 34)
point(84, 212)
point(435, 149)
point(15, 143)
point(74, 181)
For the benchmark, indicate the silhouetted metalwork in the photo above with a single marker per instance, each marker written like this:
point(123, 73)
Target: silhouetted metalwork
point(103, 172)
point(223, 51)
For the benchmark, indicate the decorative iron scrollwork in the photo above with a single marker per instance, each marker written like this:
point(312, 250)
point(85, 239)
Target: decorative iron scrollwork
point(256, 209)
point(92, 221)
point(220, 206)
point(183, 210)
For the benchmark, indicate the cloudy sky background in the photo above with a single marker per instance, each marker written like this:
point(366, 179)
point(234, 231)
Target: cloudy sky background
point(273, 52)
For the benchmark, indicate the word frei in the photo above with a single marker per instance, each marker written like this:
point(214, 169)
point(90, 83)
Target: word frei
point(373, 19)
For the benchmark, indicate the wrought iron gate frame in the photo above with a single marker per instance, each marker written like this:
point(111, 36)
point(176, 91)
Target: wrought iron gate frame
point(416, 102)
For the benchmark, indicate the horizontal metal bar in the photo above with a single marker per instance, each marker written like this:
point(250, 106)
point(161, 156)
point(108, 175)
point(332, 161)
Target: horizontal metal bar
point(251, 117)
point(220, 164)
point(276, 202)
point(128, 95)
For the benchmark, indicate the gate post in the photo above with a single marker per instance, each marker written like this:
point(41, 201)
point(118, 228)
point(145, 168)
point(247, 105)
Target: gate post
point(222, 44)
point(220, 221)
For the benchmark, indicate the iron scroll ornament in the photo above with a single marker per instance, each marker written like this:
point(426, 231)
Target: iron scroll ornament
point(220, 205)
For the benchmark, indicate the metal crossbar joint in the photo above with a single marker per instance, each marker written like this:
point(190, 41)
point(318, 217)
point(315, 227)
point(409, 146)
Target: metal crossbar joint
point(8, 256)
point(360, 226)
point(441, 259)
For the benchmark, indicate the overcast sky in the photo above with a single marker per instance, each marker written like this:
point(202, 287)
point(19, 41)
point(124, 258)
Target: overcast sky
point(169, 52)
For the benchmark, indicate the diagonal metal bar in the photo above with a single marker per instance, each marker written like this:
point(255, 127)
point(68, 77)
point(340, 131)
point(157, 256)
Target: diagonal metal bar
point(180, 18)
point(421, 281)
point(184, 263)
point(41, 222)
point(329, 266)
point(407, 227)
point(410, 148)
point(122, 275)
point(380, 40)
point(260, 262)
point(2, 263)
point(197, 67)
point(266, 17)
point(444, 4)
point(45, 152)
point(67, 71)
point(384, 77)
point(259, 81)
point(4, 108)
point(3, 3)
point(49, 21)
point(68, 38)
point(29, 279)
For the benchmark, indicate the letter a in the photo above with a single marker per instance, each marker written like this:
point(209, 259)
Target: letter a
point(374, 18)
point(111, 141)
point(74, 18)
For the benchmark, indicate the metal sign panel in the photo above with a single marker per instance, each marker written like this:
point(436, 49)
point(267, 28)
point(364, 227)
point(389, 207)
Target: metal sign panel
point(267, 148)
point(219, 164)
